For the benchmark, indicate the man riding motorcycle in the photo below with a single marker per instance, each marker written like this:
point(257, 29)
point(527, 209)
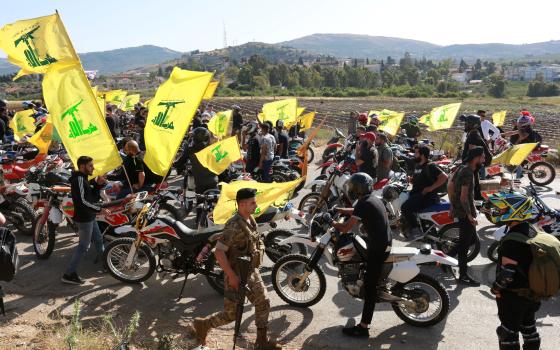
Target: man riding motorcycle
point(370, 212)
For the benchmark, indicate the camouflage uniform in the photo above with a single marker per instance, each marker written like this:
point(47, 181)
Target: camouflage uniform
point(241, 238)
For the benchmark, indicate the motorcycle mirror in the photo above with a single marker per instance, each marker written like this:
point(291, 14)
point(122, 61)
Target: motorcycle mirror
point(140, 196)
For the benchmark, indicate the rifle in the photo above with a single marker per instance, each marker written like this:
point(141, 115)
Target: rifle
point(243, 264)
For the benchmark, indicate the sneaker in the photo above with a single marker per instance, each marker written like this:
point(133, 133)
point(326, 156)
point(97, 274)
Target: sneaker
point(468, 281)
point(72, 279)
point(356, 331)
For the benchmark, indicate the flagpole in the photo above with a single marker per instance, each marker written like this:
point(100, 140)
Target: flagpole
point(127, 179)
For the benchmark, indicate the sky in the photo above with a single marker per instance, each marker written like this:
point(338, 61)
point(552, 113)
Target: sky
point(189, 25)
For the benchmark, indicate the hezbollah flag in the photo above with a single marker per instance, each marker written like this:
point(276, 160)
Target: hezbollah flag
point(23, 124)
point(285, 110)
point(306, 121)
point(210, 90)
point(42, 139)
point(390, 121)
point(76, 116)
point(498, 118)
point(219, 123)
point(514, 155)
point(170, 114)
point(267, 195)
point(35, 44)
point(130, 101)
point(115, 97)
point(441, 117)
point(218, 156)
point(299, 111)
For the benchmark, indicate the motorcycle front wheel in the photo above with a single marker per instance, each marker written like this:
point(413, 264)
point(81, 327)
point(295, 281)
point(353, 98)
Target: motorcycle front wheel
point(287, 274)
point(427, 301)
point(310, 202)
point(541, 173)
point(43, 237)
point(275, 251)
point(492, 252)
point(115, 256)
point(449, 236)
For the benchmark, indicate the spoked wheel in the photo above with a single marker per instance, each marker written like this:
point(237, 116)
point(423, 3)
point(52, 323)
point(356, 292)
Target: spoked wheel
point(493, 252)
point(216, 279)
point(427, 301)
point(143, 264)
point(43, 237)
point(310, 204)
point(28, 215)
point(294, 284)
point(449, 236)
point(275, 251)
point(319, 188)
point(541, 173)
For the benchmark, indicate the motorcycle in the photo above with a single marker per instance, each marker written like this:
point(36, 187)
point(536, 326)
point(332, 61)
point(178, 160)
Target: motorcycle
point(16, 209)
point(164, 245)
point(416, 298)
point(333, 144)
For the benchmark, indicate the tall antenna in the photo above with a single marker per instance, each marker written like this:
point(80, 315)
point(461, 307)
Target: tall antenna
point(225, 34)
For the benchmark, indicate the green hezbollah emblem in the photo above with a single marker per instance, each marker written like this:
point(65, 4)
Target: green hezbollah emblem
point(160, 119)
point(77, 125)
point(443, 116)
point(31, 53)
point(218, 154)
point(221, 123)
point(281, 114)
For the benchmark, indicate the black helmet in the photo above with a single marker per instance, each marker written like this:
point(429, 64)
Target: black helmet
point(201, 136)
point(359, 185)
point(471, 121)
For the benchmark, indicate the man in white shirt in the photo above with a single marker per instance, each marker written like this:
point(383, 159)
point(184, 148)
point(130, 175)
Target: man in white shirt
point(268, 146)
point(489, 131)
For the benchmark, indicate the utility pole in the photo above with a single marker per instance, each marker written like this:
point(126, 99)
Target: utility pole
point(225, 34)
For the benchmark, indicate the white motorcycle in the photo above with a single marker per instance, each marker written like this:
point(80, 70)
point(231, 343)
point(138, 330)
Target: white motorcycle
point(416, 298)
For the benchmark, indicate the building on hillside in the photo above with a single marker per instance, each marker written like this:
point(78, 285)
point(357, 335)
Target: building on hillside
point(550, 73)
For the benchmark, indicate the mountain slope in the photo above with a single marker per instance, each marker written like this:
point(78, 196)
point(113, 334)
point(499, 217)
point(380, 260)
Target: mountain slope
point(115, 61)
point(361, 46)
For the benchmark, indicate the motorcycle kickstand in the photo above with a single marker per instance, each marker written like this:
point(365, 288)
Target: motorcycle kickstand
point(183, 288)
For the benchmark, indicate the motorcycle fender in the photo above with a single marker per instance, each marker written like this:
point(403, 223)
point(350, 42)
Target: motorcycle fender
point(404, 271)
point(125, 229)
point(304, 239)
point(500, 232)
point(435, 256)
point(315, 182)
point(55, 216)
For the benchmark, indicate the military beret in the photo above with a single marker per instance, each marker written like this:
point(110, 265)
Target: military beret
point(246, 193)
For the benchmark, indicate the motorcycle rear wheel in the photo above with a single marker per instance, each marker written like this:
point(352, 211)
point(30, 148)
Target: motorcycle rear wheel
point(287, 288)
point(115, 256)
point(274, 251)
point(450, 236)
point(419, 286)
point(215, 282)
point(541, 173)
point(492, 252)
point(22, 207)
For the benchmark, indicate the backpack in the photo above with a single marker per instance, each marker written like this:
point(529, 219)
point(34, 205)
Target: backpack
point(544, 271)
point(8, 255)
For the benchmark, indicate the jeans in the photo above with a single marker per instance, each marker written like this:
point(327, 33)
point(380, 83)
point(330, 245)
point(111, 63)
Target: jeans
point(467, 234)
point(414, 204)
point(375, 261)
point(88, 232)
point(266, 165)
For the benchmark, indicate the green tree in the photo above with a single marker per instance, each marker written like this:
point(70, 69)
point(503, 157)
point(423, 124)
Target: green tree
point(497, 86)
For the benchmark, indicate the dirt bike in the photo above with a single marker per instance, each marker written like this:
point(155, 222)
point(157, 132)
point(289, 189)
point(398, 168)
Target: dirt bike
point(165, 245)
point(333, 144)
point(416, 298)
point(16, 208)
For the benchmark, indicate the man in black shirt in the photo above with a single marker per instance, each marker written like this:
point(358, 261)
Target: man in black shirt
point(237, 122)
point(204, 179)
point(371, 213)
point(412, 127)
point(427, 178)
point(366, 155)
point(515, 310)
point(474, 139)
point(253, 156)
point(134, 167)
point(282, 147)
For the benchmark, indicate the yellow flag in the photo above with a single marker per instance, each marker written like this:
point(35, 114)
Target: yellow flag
point(514, 155)
point(302, 150)
point(219, 123)
point(300, 110)
point(130, 101)
point(35, 44)
point(390, 120)
point(170, 115)
point(115, 97)
point(441, 117)
point(76, 116)
point(306, 121)
point(101, 104)
point(147, 102)
point(218, 156)
point(42, 139)
point(267, 195)
point(210, 90)
point(498, 118)
point(285, 110)
point(23, 124)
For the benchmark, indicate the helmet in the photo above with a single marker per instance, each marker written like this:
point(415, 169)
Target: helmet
point(413, 120)
point(279, 123)
point(251, 128)
point(206, 115)
point(236, 108)
point(369, 135)
point(471, 121)
point(27, 104)
point(374, 120)
point(363, 118)
point(359, 185)
point(524, 121)
point(201, 136)
point(390, 193)
point(506, 207)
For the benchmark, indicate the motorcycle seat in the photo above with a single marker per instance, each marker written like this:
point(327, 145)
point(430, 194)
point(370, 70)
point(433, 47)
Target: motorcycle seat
point(380, 184)
point(267, 215)
point(186, 234)
point(441, 206)
point(401, 253)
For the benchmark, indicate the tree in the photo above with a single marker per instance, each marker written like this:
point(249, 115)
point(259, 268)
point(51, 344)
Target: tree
point(245, 75)
point(274, 76)
point(390, 61)
point(260, 82)
point(497, 86)
point(463, 66)
point(160, 72)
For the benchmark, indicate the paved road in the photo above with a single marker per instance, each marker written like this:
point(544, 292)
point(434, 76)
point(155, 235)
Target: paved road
point(37, 295)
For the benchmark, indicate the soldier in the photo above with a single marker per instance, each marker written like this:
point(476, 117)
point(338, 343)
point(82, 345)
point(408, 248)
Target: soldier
point(240, 238)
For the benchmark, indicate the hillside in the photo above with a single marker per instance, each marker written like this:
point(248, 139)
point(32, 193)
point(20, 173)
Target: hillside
point(115, 61)
point(361, 46)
